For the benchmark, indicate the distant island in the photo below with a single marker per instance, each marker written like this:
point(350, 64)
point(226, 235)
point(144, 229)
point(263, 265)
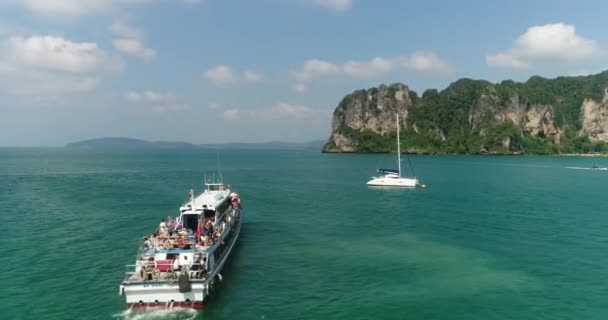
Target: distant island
point(130, 143)
point(565, 115)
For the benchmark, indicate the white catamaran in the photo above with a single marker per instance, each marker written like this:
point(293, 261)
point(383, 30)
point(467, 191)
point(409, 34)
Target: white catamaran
point(392, 177)
point(178, 265)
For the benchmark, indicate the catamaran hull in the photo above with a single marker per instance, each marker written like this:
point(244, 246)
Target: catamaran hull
point(163, 294)
point(391, 182)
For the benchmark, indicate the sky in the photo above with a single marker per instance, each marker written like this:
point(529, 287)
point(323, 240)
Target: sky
point(215, 71)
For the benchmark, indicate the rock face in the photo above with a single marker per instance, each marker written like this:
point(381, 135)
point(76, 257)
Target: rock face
point(374, 110)
point(594, 118)
point(472, 116)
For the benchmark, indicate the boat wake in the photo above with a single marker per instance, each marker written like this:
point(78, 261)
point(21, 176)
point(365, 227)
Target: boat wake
point(585, 168)
point(157, 314)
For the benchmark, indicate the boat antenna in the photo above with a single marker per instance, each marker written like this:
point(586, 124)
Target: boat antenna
point(399, 151)
point(193, 200)
point(398, 147)
point(219, 168)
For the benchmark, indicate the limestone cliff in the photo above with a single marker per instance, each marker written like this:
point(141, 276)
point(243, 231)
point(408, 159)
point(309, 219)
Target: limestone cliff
point(371, 110)
point(563, 115)
point(594, 117)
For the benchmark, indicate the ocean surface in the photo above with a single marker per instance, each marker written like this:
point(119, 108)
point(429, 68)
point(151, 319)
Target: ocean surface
point(492, 237)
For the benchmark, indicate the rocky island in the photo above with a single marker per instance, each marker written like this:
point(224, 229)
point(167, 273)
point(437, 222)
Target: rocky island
point(540, 116)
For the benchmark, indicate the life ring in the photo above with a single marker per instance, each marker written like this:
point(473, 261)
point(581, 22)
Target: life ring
point(181, 243)
point(155, 274)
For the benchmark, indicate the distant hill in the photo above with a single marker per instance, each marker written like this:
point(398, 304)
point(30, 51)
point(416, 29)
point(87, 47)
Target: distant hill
point(126, 143)
point(540, 116)
point(130, 143)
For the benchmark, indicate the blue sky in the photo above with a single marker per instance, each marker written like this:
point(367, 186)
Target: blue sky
point(224, 70)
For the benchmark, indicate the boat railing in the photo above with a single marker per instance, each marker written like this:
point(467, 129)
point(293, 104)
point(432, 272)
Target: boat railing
point(136, 273)
point(133, 271)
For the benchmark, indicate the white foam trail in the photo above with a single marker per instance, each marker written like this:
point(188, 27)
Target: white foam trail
point(584, 168)
point(155, 313)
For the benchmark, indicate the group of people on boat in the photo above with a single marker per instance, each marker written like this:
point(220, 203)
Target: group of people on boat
point(170, 235)
point(183, 238)
point(168, 238)
point(196, 268)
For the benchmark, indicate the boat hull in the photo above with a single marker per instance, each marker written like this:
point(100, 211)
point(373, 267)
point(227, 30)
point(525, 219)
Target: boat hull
point(393, 182)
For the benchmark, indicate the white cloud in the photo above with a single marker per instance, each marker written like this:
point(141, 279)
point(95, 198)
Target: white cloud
point(155, 101)
point(133, 96)
point(251, 76)
point(556, 42)
point(284, 111)
point(130, 41)
point(377, 66)
point(79, 8)
point(220, 75)
point(223, 76)
point(231, 114)
point(124, 30)
point(506, 60)
point(133, 47)
point(170, 108)
point(293, 111)
point(373, 68)
point(150, 96)
point(426, 62)
point(55, 53)
point(335, 5)
point(74, 7)
point(49, 65)
point(314, 68)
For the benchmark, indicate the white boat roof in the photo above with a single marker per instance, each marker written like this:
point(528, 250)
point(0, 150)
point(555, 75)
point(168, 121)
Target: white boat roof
point(208, 200)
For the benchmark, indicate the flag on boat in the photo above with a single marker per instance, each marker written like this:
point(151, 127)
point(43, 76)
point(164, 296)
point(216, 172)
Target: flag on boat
point(190, 194)
point(199, 230)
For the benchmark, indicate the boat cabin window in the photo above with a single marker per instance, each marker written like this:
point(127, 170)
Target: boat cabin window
point(190, 221)
point(209, 213)
point(222, 207)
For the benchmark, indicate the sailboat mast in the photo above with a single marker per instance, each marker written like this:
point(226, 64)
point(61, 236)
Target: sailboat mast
point(398, 147)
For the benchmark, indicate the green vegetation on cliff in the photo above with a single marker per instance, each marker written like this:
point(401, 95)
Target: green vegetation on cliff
point(539, 116)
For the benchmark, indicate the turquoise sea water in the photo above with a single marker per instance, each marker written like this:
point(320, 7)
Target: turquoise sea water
point(491, 237)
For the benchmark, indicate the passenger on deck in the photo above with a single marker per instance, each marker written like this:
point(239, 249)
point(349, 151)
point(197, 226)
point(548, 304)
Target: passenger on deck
point(183, 232)
point(181, 264)
point(162, 226)
point(208, 233)
point(176, 266)
point(148, 268)
point(153, 241)
point(148, 244)
point(185, 264)
point(196, 267)
point(182, 243)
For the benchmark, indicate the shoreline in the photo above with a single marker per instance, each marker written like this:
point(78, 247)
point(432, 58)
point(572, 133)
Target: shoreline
point(478, 154)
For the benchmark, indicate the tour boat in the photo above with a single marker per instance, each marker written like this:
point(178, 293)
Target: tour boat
point(392, 177)
point(179, 264)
